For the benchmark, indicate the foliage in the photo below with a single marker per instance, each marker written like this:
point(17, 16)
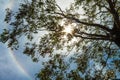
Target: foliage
point(96, 33)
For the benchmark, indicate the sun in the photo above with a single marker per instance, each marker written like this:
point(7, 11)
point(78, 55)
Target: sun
point(68, 29)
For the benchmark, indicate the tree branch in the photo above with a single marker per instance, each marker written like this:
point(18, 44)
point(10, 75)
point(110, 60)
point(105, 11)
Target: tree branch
point(93, 38)
point(114, 13)
point(85, 23)
point(92, 35)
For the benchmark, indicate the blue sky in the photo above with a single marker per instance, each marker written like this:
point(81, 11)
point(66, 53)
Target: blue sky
point(9, 68)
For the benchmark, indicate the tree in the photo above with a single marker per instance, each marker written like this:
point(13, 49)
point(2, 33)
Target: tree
point(93, 37)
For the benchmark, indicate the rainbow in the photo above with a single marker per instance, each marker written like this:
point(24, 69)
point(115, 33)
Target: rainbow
point(18, 65)
point(11, 53)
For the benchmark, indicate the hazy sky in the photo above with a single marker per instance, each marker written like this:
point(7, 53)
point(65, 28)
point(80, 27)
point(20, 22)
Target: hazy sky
point(15, 65)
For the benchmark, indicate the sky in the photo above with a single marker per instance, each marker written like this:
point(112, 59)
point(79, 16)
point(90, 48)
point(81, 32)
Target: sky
point(14, 65)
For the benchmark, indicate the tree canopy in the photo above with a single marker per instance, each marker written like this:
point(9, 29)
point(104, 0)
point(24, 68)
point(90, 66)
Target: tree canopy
point(90, 39)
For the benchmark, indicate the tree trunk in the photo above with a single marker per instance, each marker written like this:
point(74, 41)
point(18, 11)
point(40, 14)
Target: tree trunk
point(117, 40)
point(116, 35)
